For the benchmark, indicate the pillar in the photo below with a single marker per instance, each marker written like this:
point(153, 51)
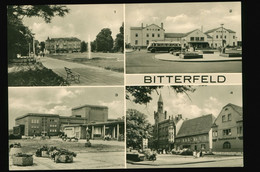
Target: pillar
point(117, 131)
point(92, 132)
point(104, 130)
point(114, 132)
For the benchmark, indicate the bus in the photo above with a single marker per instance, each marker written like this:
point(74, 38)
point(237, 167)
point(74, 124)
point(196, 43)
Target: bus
point(163, 46)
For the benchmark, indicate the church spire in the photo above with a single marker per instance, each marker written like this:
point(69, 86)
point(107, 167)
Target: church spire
point(160, 98)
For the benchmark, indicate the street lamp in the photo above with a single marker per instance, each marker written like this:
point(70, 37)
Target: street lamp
point(222, 34)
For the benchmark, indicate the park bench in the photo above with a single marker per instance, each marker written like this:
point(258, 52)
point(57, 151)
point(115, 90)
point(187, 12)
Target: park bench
point(72, 76)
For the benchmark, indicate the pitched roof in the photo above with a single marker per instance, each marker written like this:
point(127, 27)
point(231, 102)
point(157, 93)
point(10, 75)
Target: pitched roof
point(195, 126)
point(160, 98)
point(135, 28)
point(237, 108)
point(212, 30)
point(178, 35)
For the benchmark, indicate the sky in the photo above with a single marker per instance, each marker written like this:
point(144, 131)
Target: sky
point(82, 20)
point(57, 100)
point(205, 100)
point(185, 17)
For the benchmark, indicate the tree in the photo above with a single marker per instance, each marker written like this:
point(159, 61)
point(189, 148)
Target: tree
point(142, 94)
point(119, 41)
point(104, 40)
point(83, 47)
point(42, 46)
point(19, 35)
point(137, 127)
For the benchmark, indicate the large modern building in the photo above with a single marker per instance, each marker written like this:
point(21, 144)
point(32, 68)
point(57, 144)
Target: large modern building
point(62, 45)
point(196, 134)
point(227, 130)
point(142, 36)
point(165, 127)
point(93, 117)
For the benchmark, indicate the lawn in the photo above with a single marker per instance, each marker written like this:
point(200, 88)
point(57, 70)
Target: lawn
point(109, 61)
point(31, 145)
point(32, 74)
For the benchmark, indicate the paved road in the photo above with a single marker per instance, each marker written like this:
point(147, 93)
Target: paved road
point(98, 160)
point(89, 75)
point(174, 161)
point(144, 62)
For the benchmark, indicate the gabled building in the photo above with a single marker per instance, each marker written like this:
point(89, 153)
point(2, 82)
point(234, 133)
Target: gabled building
point(227, 130)
point(196, 134)
point(142, 36)
point(220, 34)
point(62, 45)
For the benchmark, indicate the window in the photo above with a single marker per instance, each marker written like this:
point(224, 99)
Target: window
point(192, 38)
point(203, 146)
point(158, 35)
point(239, 130)
point(158, 29)
point(35, 121)
point(136, 35)
point(215, 133)
point(202, 38)
point(227, 132)
point(234, 37)
point(225, 36)
point(147, 35)
point(217, 36)
point(223, 118)
point(136, 42)
point(226, 145)
point(229, 117)
point(197, 38)
point(152, 34)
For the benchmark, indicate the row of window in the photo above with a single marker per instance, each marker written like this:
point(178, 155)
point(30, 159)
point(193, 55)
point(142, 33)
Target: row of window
point(227, 132)
point(192, 139)
point(153, 29)
point(34, 126)
point(225, 37)
point(147, 35)
point(227, 117)
point(53, 130)
point(196, 38)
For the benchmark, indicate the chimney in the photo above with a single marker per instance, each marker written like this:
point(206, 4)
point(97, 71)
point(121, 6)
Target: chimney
point(142, 25)
point(162, 25)
point(165, 115)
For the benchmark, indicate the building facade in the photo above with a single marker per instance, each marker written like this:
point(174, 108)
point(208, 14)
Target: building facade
point(227, 130)
point(196, 134)
point(93, 117)
point(219, 35)
point(165, 127)
point(62, 45)
point(142, 36)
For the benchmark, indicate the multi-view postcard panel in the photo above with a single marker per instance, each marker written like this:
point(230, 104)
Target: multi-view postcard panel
point(115, 86)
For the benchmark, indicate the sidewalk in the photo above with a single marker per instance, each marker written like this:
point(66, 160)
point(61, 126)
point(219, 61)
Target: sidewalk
point(89, 75)
point(206, 58)
point(180, 160)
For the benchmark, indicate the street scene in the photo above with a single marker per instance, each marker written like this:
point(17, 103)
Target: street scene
point(50, 45)
point(184, 126)
point(66, 128)
point(185, 38)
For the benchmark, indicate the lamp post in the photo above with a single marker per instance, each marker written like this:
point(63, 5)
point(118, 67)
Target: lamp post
point(222, 34)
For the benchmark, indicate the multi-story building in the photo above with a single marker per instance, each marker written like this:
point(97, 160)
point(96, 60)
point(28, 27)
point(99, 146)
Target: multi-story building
point(142, 36)
point(93, 117)
point(62, 45)
point(165, 127)
point(227, 130)
point(37, 124)
point(196, 134)
point(221, 37)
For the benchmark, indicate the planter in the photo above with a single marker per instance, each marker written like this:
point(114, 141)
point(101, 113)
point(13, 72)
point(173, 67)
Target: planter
point(63, 159)
point(14, 151)
point(23, 161)
point(190, 56)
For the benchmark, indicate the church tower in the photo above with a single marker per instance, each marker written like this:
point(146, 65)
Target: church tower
point(160, 115)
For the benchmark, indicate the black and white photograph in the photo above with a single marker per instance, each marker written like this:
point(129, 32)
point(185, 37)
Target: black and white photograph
point(53, 45)
point(184, 126)
point(66, 128)
point(196, 37)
